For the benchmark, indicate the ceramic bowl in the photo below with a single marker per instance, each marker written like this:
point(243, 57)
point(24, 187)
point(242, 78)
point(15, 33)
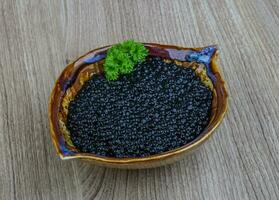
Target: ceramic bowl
point(76, 73)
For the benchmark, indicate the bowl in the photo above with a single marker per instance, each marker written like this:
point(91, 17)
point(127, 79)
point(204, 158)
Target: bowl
point(82, 69)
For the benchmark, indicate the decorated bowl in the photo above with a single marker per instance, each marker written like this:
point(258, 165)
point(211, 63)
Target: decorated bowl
point(78, 72)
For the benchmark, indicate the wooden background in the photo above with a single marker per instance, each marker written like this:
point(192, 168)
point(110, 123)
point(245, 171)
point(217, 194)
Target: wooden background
point(38, 38)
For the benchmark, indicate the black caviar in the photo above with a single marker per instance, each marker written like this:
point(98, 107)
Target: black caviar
point(158, 107)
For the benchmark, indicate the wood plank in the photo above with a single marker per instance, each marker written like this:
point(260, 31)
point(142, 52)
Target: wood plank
point(37, 39)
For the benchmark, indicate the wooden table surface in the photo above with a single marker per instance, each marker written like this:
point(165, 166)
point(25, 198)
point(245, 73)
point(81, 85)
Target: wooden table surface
point(38, 38)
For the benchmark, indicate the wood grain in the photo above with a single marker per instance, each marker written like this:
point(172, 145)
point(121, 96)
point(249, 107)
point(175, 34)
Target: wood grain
point(38, 38)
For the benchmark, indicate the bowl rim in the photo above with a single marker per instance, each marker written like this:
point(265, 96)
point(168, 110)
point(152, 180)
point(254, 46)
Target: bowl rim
point(161, 156)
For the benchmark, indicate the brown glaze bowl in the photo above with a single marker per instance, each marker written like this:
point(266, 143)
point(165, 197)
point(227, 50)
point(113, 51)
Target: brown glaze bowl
point(79, 71)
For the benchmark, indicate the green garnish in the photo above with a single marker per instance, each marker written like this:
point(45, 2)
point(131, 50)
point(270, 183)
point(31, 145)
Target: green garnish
point(121, 58)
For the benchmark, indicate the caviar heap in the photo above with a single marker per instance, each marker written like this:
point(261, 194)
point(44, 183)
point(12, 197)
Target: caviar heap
point(158, 107)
